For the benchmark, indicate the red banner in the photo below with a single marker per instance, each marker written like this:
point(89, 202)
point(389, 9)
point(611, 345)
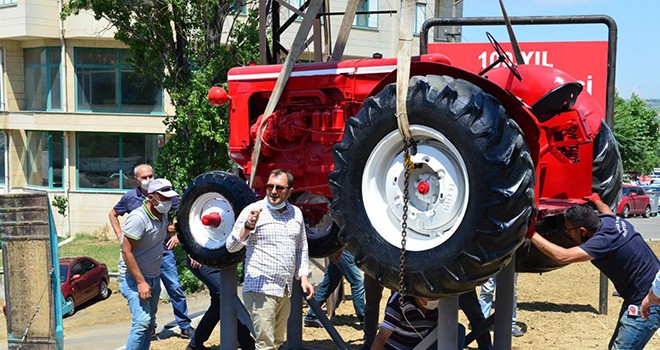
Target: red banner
point(586, 61)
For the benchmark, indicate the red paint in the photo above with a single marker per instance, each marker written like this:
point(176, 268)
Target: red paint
point(213, 219)
point(423, 187)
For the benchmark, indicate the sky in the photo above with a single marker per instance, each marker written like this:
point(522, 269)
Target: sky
point(638, 22)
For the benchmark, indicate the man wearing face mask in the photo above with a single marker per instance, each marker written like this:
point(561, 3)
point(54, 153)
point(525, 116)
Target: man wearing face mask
point(132, 200)
point(616, 249)
point(273, 232)
point(140, 259)
point(405, 327)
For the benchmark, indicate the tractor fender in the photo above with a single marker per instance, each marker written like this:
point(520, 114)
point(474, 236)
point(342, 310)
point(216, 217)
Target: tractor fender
point(514, 107)
point(539, 80)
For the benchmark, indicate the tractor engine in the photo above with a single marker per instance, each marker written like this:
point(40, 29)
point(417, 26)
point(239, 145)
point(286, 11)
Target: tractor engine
point(299, 136)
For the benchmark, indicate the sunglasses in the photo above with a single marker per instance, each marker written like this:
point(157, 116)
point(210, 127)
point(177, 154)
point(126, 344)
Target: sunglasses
point(277, 188)
point(165, 189)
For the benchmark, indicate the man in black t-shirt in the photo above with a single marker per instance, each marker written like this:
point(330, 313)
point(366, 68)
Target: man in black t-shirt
point(613, 246)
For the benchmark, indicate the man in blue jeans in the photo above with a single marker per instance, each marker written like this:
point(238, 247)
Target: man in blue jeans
point(486, 301)
point(139, 262)
point(616, 249)
point(342, 263)
point(133, 199)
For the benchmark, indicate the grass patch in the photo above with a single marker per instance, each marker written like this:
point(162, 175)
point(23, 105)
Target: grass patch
point(103, 250)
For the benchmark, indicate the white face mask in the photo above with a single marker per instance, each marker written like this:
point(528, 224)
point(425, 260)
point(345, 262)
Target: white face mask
point(276, 206)
point(145, 184)
point(432, 304)
point(163, 207)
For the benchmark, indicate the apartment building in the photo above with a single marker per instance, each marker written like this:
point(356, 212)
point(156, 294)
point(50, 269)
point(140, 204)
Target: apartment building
point(76, 119)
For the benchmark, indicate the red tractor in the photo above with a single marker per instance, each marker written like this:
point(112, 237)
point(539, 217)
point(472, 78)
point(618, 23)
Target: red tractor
point(496, 154)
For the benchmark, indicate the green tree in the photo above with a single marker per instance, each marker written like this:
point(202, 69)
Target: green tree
point(637, 132)
point(181, 44)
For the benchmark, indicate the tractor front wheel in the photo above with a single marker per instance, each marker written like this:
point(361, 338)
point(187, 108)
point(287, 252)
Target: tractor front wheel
point(209, 207)
point(471, 194)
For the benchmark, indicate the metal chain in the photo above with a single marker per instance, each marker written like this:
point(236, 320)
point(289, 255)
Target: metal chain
point(408, 166)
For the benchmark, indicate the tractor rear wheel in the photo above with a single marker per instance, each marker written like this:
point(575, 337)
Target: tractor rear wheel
point(607, 171)
point(471, 195)
point(212, 194)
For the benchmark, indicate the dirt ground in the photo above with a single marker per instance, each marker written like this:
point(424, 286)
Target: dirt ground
point(559, 310)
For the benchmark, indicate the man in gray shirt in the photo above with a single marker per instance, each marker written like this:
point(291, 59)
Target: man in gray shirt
point(139, 262)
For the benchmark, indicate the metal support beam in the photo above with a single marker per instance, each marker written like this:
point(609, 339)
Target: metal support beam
point(228, 325)
point(504, 306)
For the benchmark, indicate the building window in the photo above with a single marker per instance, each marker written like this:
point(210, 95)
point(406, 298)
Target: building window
point(42, 79)
point(106, 161)
point(7, 2)
point(45, 158)
point(3, 145)
point(420, 16)
point(366, 20)
point(106, 82)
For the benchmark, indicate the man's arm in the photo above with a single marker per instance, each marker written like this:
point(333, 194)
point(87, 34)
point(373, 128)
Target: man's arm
point(559, 254)
point(127, 247)
point(381, 338)
point(114, 222)
point(653, 298)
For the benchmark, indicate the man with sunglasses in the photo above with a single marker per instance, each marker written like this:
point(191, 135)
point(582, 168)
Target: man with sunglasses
point(133, 199)
point(139, 262)
point(613, 246)
point(273, 233)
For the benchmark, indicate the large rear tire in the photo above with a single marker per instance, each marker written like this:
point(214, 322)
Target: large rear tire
point(475, 205)
point(212, 192)
point(607, 171)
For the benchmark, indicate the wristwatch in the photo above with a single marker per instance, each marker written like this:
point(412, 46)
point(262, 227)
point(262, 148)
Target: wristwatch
point(247, 227)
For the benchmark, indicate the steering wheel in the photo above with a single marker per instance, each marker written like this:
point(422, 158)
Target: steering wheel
point(501, 57)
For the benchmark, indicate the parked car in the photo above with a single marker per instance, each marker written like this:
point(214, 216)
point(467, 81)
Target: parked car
point(634, 201)
point(83, 279)
point(655, 176)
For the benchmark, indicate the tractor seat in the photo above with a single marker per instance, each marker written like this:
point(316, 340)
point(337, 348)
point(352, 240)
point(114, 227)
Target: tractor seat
point(558, 100)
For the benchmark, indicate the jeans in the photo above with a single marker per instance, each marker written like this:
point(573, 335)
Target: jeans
point(346, 267)
point(487, 293)
point(143, 313)
point(170, 278)
point(633, 332)
point(211, 278)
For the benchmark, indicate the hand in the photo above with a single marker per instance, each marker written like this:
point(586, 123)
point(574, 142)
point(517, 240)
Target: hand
point(593, 198)
point(173, 242)
point(645, 308)
point(307, 288)
point(144, 291)
point(194, 264)
point(530, 234)
point(253, 217)
point(171, 229)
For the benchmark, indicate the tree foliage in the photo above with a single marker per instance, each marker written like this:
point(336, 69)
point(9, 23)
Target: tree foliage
point(181, 43)
point(637, 132)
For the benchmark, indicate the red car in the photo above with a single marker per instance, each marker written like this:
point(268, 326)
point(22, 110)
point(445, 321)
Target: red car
point(634, 201)
point(83, 279)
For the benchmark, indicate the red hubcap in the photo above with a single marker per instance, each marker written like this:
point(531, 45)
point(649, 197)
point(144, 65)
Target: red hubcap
point(213, 219)
point(423, 187)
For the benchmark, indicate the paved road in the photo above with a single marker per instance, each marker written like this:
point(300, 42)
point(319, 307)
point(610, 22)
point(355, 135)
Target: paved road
point(649, 228)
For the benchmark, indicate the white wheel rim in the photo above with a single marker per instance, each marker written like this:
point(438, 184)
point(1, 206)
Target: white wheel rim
point(211, 237)
point(324, 226)
point(432, 217)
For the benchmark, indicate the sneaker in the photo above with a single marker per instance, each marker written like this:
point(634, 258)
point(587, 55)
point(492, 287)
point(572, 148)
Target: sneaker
point(314, 323)
point(517, 332)
point(187, 333)
point(154, 335)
